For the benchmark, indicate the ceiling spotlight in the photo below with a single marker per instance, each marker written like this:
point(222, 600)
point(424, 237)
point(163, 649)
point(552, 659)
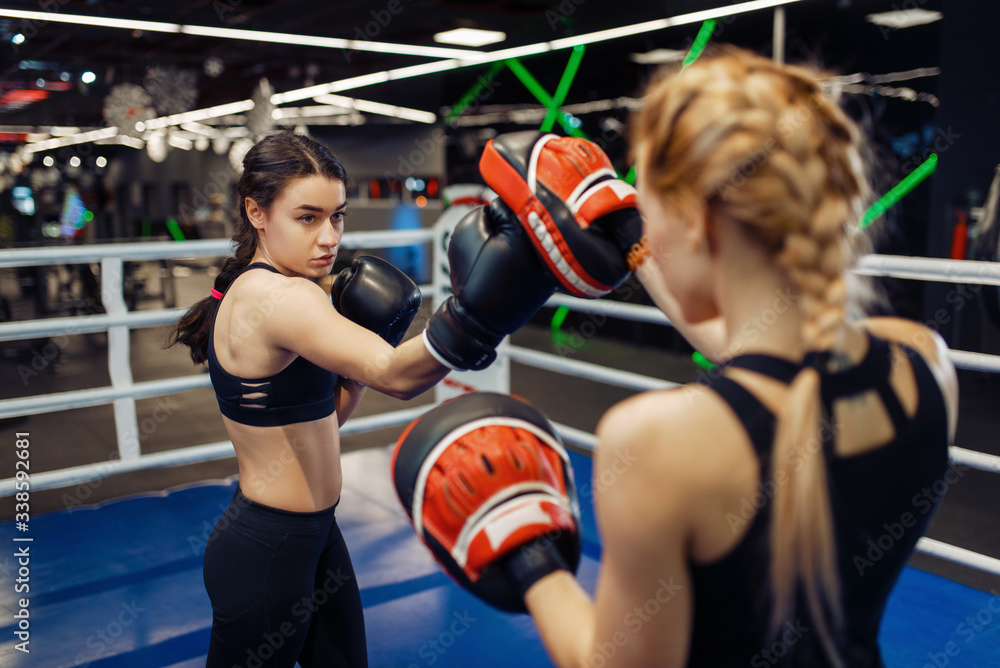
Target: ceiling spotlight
point(904, 18)
point(40, 82)
point(88, 77)
point(48, 161)
point(101, 161)
point(74, 161)
point(470, 37)
point(17, 39)
point(156, 146)
point(64, 76)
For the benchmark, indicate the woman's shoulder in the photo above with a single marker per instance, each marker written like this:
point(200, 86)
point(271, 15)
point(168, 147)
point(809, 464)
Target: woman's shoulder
point(282, 309)
point(910, 333)
point(926, 341)
point(652, 416)
point(931, 347)
point(268, 290)
point(683, 440)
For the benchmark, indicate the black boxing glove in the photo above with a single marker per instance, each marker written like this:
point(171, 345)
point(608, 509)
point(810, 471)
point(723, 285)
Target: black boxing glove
point(498, 282)
point(377, 296)
point(581, 218)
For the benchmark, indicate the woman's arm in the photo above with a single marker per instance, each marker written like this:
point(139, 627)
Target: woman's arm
point(405, 371)
point(564, 615)
point(306, 323)
point(641, 613)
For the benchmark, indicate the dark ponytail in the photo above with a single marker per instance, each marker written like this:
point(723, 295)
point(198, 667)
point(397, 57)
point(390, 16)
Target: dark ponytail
point(267, 168)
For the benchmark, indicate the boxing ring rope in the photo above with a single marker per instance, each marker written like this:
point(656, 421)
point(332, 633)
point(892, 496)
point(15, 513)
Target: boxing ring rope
point(559, 364)
point(123, 392)
point(959, 555)
point(927, 268)
point(610, 308)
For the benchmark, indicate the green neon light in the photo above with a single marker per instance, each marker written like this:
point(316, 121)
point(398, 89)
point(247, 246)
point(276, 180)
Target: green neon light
point(536, 89)
point(558, 318)
point(175, 230)
point(700, 42)
point(900, 190)
point(704, 362)
point(474, 92)
point(563, 88)
point(630, 177)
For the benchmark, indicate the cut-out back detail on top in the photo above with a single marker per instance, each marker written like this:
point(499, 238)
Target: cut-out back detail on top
point(879, 488)
point(300, 392)
point(873, 372)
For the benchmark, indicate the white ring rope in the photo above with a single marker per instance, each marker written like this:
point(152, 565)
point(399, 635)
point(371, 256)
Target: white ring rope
point(973, 459)
point(978, 272)
point(975, 361)
point(610, 309)
point(959, 555)
point(582, 438)
point(560, 364)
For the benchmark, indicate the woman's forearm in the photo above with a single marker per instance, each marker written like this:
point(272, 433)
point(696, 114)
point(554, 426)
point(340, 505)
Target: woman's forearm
point(406, 371)
point(564, 615)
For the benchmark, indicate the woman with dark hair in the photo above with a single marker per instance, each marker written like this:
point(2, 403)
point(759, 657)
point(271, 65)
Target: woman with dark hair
point(288, 369)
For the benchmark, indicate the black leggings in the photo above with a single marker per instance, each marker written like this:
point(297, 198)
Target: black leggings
point(282, 589)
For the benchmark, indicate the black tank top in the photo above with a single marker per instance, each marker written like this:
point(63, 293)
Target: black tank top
point(881, 502)
point(300, 392)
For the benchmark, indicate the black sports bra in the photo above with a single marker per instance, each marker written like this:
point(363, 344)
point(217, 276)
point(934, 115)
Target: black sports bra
point(300, 392)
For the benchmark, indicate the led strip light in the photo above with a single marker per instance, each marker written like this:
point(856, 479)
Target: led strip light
point(377, 108)
point(230, 33)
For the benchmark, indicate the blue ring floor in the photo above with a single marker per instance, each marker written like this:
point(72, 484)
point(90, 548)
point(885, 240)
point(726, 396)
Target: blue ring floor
point(119, 585)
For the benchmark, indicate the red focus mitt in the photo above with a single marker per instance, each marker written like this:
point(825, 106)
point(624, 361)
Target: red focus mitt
point(489, 489)
point(582, 219)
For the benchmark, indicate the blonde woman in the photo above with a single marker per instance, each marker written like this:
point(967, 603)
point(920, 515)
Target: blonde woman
point(741, 534)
